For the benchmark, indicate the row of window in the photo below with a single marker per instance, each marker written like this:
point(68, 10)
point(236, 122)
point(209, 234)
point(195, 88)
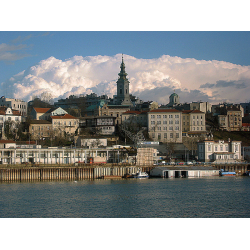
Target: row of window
point(164, 116)
point(165, 122)
point(65, 123)
point(165, 135)
point(177, 128)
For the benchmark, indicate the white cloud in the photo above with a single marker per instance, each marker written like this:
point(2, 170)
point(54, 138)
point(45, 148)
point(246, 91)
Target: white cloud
point(150, 79)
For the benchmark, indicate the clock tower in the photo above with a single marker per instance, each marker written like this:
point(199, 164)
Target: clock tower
point(123, 97)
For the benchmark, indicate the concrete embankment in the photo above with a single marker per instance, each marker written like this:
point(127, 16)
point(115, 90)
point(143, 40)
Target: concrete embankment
point(42, 173)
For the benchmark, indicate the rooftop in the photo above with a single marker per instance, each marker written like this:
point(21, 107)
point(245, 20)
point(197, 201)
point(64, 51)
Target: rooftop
point(164, 111)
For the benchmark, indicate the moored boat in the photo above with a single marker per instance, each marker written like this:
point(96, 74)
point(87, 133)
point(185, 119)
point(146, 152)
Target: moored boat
point(140, 175)
point(222, 172)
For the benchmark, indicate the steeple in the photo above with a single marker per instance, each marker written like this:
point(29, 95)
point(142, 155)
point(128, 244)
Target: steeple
point(122, 73)
point(123, 97)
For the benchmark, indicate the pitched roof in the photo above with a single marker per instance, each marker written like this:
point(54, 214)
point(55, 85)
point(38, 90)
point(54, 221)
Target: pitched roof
point(164, 111)
point(132, 112)
point(40, 122)
point(41, 110)
point(66, 116)
point(191, 111)
point(7, 141)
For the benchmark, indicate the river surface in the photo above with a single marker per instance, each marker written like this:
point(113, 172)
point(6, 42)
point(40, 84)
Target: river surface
point(211, 197)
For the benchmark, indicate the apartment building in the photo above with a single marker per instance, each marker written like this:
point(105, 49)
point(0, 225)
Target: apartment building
point(193, 121)
point(141, 118)
point(164, 125)
point(64, 124)
point(40, 129)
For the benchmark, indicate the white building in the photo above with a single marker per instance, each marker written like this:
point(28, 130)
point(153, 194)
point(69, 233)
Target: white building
point(219, 151)
point(15, 104)
point(165, 125)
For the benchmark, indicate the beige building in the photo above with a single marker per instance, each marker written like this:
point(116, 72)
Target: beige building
point(146, 156)
point(115, 111)
point(193, 121)
point(40, 129)
point(64, 124)
point(164, 125)
point(205, 107)
point(231, 121)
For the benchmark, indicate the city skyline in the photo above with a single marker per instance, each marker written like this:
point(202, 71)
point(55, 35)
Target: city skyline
point(198, 66)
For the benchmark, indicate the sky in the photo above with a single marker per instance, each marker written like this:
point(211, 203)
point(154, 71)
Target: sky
point(199, 66)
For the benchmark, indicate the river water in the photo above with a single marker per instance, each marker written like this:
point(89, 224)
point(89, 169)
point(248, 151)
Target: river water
point(211, 197)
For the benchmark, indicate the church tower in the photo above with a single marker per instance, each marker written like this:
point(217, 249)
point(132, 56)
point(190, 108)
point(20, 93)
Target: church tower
point(123, 97)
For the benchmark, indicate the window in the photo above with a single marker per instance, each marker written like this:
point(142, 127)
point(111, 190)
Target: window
point(170, 128)
point(165, 122)
point(216, 148)
point(209, 147)
point(159, 136)
point(221, 148)
point(171, 135)
point(165, 135)
point(158, 122)
point(176, 116)
point(158, 116)
point(171, 122)
point(170, 116)
point(152, 116)
point(152, 122)
point(176, 121)
point(177, 128)
point(177, 135)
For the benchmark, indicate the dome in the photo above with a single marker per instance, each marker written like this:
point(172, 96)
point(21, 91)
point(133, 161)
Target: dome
point(174, 94)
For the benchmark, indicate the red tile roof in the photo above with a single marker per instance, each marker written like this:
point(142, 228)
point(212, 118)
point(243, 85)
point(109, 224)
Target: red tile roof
point(7, 141)
point(41, 110)
point(132, 112)
point(191, 111)
point(164, 110)
point(66, 116)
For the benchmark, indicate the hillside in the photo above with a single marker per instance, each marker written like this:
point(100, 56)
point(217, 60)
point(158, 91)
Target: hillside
point(234, 136)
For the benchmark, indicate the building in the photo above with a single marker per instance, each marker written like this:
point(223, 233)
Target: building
point(174, 100)
point(135, 117)
point(204, 107)
point(123, 96)
point(11, 117)
point(146, 156)
point(64, 125)
point(219, 151)
point(115, 111)
point(46, 113)
point(60, 155)
point(230, 119)
point(103, 125)
point(165, 125)
point(187, 171)
point(15, 104)
point(91, 142)
point(40, 129)
point(193, 121)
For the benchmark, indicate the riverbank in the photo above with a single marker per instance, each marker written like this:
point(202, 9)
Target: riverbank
point(34, 173)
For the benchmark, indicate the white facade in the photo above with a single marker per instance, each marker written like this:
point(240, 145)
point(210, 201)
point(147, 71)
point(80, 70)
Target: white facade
point(219, 151)
point(15, 104)
point(55, 155)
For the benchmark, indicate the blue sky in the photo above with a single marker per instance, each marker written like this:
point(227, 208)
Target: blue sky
point(20, 50)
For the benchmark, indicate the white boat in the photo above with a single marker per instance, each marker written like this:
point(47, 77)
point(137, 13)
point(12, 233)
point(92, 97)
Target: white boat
point(141, 175)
